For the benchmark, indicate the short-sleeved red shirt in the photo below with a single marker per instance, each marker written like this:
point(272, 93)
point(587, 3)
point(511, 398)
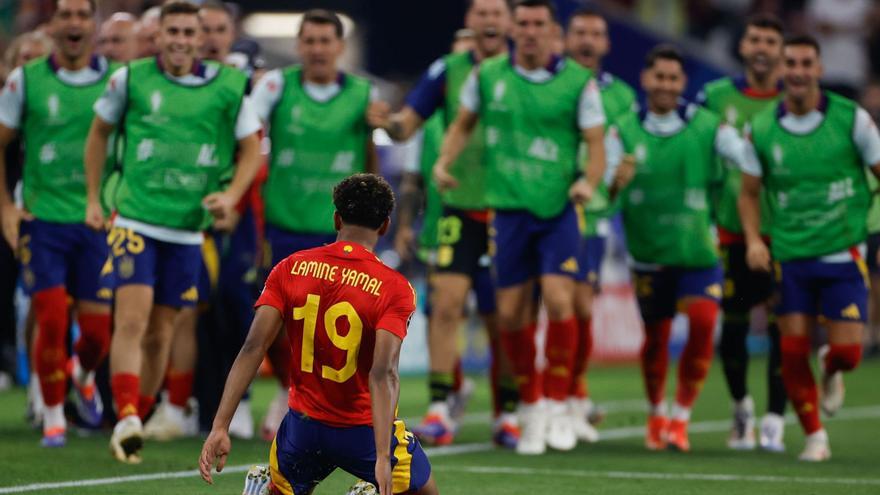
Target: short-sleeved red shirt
point(333, 299)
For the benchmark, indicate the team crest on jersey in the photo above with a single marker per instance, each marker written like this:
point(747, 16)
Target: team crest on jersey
point(731, 115)
point(52, 106)
point(640, 153)
point(155, 107)
point(777, 154)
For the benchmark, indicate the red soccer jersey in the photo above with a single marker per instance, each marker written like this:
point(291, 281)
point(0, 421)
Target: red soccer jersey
point(333, 300)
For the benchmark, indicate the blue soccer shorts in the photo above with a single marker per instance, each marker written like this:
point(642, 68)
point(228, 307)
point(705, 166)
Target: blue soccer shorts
point(306, 451)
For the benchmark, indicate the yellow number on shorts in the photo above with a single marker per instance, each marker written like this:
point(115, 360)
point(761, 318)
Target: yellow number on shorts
point(350, 343)
point(121, 240)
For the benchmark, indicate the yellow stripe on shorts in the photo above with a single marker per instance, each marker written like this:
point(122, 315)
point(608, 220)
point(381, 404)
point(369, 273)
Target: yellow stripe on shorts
point(211, 259)
point(282, 486)
point(400, 475)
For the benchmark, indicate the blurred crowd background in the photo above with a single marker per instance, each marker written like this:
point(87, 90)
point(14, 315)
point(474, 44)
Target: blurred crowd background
point(396, 39)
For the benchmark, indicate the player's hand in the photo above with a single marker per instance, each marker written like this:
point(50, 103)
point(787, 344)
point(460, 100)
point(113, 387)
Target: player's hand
point(581, 191)
point(12, 218)
point(219, 204)
point(229, 222)
point(379, 114)
point(758, 256)
point(404, 242)
point(383, 476)
point(625, 172)
point(442, 178)
point(95, 216)
point(216, 448)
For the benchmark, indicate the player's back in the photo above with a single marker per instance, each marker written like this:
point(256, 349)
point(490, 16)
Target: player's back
point(333, 300)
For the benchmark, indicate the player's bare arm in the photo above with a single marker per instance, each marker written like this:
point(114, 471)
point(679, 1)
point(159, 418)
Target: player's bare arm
point(749, 204)
point(95, 157)
point(384, 392)
point(594, 170)
point(372, 157)
point(222, 203)
point(403, 124)
point(10, 213)
point(457, 136)
point(411, 191)
point(267, 322)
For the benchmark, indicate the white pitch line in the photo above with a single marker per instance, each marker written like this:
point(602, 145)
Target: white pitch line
point(863, 412)
point(643, 475)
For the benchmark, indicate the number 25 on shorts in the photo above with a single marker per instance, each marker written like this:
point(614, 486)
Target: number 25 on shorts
point(350, 343)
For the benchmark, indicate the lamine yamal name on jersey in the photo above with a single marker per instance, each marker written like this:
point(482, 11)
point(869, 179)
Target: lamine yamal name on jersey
point(334, 273)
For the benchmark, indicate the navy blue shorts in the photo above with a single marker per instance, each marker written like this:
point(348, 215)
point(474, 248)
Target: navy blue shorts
point(69, 255)
point(659, 291)
point(306, 451)
point(282, 243)
point(590, 259)
point(484, 290)
point(171, 269)
point(524, 246)
point(871, 257)
point(837, 291)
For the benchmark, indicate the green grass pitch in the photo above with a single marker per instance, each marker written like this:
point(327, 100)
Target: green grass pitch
point(617, 465)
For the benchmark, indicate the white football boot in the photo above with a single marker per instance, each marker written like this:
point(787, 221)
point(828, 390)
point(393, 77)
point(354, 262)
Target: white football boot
point(579, 412)
point(242, 424)
point(817, 448)
point(772, 431)
point(560, 430)
point(742, 429)
point(533, 428)
point(257, 481)
point(127, 440)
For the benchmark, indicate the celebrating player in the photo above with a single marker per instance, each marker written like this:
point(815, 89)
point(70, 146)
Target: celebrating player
point(182, 119)
point(318, 129)
point(462, 262)
point(535, 108)
point(346, 315)
point(49, 102)
point(176, 417)
point(810, 151)
point(586, 41)
point(736, 100)
point(667, 169)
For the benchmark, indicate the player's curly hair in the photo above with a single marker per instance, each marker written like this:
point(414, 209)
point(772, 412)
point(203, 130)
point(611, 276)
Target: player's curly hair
point(365, 200)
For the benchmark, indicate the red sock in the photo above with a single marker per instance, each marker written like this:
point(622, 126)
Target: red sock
point(843, 357)
point(697, 356)
point(279, 356)
point(655, 359)
point(457, 376)
point(94, 339)
point(145, 405)
point(799, 382)
point(562, 338)
point(494, 374)
point(520, 348)
point(50, 309)
point(180, 386)
point(126, 389)
point(581, 359)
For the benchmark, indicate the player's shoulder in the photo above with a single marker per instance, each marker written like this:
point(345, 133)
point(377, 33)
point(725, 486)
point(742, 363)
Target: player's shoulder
point(719, 85)
point(842, 101)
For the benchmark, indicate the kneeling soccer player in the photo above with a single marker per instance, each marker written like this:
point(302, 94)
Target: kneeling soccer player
point(346, 315)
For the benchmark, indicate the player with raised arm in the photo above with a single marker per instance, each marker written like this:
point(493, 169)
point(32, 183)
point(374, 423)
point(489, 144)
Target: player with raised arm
point(345, 315)
point(535, 108)
point(666, 158)
point(736, 100)
point(810, 152)
point(49, 103)
point(182, 119)
point(462, 260)
point(586, 41)
point(316, 116)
